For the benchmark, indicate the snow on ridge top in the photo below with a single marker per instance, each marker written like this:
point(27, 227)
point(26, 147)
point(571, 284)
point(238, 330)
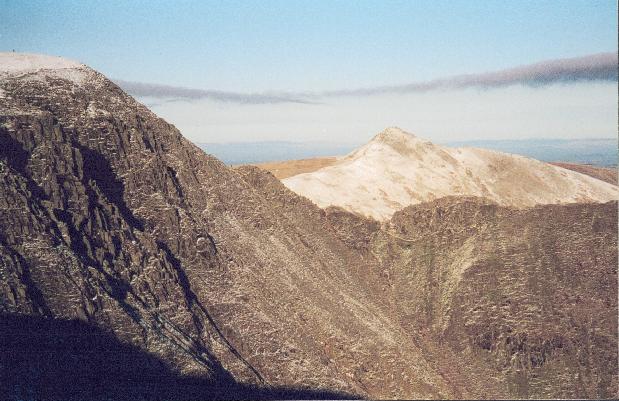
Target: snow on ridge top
point(24, 62)
point(16, 64)
point(395, 136)
point(394, 139)
point(392, 133)
point(396, 169)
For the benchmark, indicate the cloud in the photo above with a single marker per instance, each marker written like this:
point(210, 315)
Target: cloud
point(171, 93)
point(595, 67)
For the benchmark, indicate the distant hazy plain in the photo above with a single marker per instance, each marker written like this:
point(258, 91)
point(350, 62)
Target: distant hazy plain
point(596, 151)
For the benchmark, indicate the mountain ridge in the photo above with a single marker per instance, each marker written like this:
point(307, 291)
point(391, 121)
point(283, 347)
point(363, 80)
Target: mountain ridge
point(396, 169)
point(110, 217)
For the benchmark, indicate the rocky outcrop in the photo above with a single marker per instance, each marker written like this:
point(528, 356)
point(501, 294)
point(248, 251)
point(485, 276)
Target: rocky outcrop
point(110, 216)
point(110, 219)
point(74, 243)
point(534, 292)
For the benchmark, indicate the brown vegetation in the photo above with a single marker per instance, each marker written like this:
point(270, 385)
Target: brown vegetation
point(288, 168)
point(606, 174)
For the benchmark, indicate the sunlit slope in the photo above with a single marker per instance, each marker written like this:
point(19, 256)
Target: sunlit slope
point(397, 169)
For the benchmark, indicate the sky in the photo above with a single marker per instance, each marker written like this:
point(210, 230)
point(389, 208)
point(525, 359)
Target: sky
point(343, 70)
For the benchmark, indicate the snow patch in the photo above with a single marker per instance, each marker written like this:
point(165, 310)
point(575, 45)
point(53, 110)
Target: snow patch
point(21, 64)
point(93, 111)
point(396, 169)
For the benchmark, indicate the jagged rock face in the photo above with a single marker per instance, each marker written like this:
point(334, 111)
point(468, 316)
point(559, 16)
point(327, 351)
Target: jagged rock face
point(75, 244)
point(526, 298)
point(127, 225)
point(110, 216)
point(533, 291)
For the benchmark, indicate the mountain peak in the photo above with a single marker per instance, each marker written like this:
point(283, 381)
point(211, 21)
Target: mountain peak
point(16, 64)
point(398, 140)
point(396, 169)
point(392, 134)
point(182, 276)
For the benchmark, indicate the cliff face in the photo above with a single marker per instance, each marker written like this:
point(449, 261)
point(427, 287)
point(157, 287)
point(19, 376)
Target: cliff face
point(109, 216)
point(534, 292)
point(82, 164)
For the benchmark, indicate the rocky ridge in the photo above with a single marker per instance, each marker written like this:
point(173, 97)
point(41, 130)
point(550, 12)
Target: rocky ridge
point(109, 217)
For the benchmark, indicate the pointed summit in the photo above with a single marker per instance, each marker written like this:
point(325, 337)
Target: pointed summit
point(397, 169)
point(392, 135)
point(398, 140)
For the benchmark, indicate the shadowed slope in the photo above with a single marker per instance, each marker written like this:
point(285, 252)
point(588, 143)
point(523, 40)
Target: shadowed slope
point(54, 359)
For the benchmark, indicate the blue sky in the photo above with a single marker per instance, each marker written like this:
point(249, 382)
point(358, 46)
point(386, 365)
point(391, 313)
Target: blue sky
point(305, 45)
point(299, 46)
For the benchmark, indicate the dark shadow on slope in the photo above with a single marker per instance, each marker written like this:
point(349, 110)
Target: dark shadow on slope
point(191, 299)
point(98, 169)
point(13, 152)
point(16, 157)
point(53, 359)
point(23, 270)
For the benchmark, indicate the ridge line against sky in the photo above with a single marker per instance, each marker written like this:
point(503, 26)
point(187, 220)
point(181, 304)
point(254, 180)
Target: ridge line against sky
point(255, 70)
point(593, 67)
